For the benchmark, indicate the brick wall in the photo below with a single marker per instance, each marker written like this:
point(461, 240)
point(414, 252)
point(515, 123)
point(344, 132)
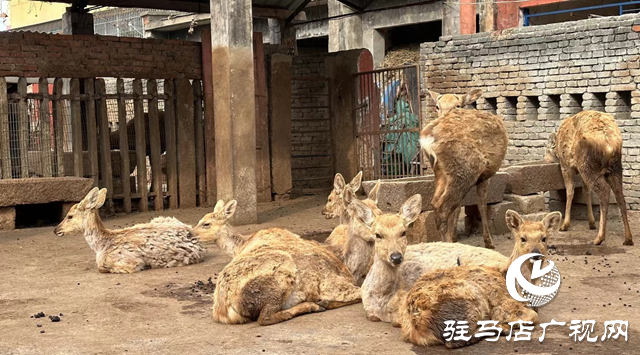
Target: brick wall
point(311, 138)
point(536, 76)
point(47, 55)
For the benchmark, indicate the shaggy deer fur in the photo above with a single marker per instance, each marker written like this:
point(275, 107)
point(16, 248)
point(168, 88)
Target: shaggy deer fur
point(396, 266)
point(275, 275)
point(335, 207)
point(164, 242)
point(465, 149)
point(464, 293)
point(590, 143)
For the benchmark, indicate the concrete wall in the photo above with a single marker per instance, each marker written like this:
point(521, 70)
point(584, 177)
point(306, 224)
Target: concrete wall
point(536, 76)
point(44, 55)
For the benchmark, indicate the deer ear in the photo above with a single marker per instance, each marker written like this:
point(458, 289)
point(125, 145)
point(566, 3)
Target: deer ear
point(552, 221)
point(356, 182)
point(88, 200)
point(363, 212)
point(553, 140)
point(471, 97)
point(348, 196)
point(411, 209)
point(338, 183)
point(102, 197)
point(373, 194)
point(219, 206)
point(434, 95)
point(230, 209)
point(514, 221)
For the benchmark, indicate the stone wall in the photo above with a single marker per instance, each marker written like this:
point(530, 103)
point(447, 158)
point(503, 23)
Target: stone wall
point(310, 123)
point(536, 76)
point(48, 55)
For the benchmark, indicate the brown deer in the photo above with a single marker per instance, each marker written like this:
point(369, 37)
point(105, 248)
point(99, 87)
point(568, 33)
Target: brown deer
point(474, 293)
point(164, 242)
point(590, 143)
point(465, 148)
point(396, 266)
point(275, 275)
point(335, 207)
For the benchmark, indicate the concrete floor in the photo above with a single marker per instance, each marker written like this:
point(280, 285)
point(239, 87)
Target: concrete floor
point(166, 312)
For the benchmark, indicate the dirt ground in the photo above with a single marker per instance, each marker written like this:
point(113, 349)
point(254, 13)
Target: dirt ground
point(167, 311)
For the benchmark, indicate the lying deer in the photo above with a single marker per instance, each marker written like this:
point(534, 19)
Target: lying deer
point(465, 148)
point(275, 275)
point(396, 266)
point(335, 207)
point(590, 143)
point(474, 293)
point(164, 242)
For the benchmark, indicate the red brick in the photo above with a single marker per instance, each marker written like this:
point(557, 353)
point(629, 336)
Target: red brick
point(636, 28)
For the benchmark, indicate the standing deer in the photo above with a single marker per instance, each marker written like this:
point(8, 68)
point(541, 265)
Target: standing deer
point(590, 143)
point(164, 242)
point(465, 148)
point(275, 275)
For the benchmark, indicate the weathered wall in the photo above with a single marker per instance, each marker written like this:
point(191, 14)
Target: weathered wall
point(536, 76)
point(44, 55)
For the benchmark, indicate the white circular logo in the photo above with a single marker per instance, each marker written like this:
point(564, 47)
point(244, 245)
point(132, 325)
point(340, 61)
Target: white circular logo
point(536, 296)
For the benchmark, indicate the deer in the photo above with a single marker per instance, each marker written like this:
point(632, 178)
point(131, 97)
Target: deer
point(396, 266)
point(162, 243)
point(590, 144)
point(335, 207)
point(465, 148)
point(475, 293)
point(275, 275)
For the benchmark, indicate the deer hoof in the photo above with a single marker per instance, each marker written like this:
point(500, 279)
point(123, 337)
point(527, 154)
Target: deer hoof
point(597, 242)
point(373, 318)
point(489, 246)
point(592, 225)
point(564, 227)
point(627, 242)
point(319, 309)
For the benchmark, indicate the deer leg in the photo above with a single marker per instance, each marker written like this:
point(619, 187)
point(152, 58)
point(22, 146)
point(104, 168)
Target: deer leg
point(567, 175)
point(452, 224)
point(603, 190)
point(587, 190)
point(481, 189)
point(615, 181)
point(271, 314)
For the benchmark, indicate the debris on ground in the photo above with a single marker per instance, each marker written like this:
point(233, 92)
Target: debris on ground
point(38, 315)
point(54, 318)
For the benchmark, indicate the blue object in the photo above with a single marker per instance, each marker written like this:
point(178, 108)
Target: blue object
point(620, 5)
point(390, 96)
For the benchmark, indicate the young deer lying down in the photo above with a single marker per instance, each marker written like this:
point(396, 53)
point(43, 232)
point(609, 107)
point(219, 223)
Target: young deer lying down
point(463, 293)
point(396, 266)
point(474, 293)
point(164, 242)
point(275, 275)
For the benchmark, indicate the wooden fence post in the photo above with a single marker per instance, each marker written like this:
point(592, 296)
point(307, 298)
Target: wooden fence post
point(155, 144)
point(124, 147)
point(5, 151)
point(170, 142)
point(186, 145)
point(58, 124)
point(92, 134)
point(24, 127)
point(105, 143)
point(76, 129)
point(141, 145)
point(209, 126)
point(199, 140)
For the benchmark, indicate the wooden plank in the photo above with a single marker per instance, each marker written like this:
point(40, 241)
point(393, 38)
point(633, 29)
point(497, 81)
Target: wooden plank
point(124, 147)
point(76, 129)
point(209, 125)
point(154, 145)
point(104, 142)
point(45, 129)
point(186, 146)
point(5, 149)
point(170, 142)
point(24, 128)
point(141, 146)
point(58, 124)
point(92, 132)
point(263, 158)
point(199, 141)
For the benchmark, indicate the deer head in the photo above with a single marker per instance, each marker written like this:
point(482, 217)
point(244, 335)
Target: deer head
point(73, 222)
point(389, 230)
point(550, 154)
point(531, 236)
point(445, 103)
point(213, 226)
point(335, 206)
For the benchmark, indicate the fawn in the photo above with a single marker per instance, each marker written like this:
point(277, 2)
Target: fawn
point(335, 206)
point(164, 242)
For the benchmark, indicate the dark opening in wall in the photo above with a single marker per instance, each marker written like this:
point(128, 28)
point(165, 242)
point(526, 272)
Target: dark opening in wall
point(571, 105)
point(624, 105)
point(600, 99)
point(551, 108)
point(510, 108)
point(531, 106)
point(47, 214)
point(412, 34)
point(491, 105)
point(313, 45)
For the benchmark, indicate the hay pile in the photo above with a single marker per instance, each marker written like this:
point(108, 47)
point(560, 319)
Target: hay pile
point(399, 56)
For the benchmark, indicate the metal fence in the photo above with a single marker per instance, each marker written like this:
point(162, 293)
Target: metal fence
point(388, 122)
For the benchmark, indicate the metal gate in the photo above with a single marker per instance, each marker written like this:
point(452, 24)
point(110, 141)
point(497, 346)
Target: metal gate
point(388, 122)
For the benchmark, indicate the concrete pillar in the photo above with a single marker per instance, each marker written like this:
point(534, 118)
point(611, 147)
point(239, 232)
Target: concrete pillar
point(467, 17)
point(280, 124)
point(344, 33)
point(77, 22)
point(234, 109)
point(488, 12)
point(450, 18)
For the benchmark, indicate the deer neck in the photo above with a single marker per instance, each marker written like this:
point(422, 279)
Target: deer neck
point(358, 252)
point(382, 279)
point(231, 242)
point(345, 218)
point(95, 233)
